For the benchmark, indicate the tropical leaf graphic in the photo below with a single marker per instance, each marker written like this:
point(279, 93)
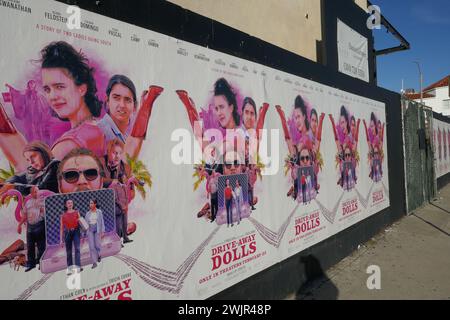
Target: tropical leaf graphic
point(286, 165)
point(338, 159)
point(260, 165)
point(140, 172)
point(5, 175)
point(199, 174)
point(319, 160)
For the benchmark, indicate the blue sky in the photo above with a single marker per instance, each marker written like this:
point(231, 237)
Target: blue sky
point(426, 25)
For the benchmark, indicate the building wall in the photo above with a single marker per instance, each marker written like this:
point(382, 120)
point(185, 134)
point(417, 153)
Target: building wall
point(290, 24)
point(437, 103)
point(362, 4)
point(442, 94)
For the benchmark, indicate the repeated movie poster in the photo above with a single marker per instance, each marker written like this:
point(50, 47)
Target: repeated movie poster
point(138, 166)
point(441, 140)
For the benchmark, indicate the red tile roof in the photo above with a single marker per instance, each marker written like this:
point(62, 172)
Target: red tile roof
point(415, 96)
point(439, 84)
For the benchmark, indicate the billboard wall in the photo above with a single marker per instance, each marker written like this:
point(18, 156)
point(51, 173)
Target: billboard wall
point(164, 169)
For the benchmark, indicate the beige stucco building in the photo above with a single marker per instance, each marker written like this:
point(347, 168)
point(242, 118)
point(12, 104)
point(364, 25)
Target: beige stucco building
point(294, 25)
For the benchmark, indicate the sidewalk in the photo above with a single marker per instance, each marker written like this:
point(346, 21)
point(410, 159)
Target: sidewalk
point(413, 255)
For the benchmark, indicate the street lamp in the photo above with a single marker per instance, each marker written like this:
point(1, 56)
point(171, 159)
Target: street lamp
point(421, 81)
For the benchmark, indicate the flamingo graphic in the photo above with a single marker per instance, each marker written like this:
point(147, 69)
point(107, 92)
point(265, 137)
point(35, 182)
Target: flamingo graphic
point(21, 200)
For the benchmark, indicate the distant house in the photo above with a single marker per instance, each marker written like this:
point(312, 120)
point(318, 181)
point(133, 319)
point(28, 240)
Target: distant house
point(436, 96)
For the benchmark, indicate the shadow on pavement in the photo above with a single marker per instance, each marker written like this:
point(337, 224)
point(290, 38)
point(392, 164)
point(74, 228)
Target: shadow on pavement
point(317, 285)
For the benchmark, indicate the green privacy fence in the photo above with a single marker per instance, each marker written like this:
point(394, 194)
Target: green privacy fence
point(419, 156)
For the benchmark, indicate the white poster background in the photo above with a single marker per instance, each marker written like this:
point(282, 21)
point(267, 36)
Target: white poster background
point(352, 52)
point(170, 240)
point(441, 138)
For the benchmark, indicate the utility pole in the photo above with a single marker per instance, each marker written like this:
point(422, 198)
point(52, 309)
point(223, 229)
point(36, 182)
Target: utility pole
point(421, 81)
point(420, 111)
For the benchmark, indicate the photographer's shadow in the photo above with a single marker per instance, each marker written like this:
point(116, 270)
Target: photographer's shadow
point(317, 285)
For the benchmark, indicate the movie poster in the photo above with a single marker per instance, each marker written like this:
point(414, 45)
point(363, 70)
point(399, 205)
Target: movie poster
point(138, 166)
point(334, 169)
point(441, 139)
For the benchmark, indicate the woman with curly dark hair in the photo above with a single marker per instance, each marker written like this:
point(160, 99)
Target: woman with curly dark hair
point(225, 105)
point(71, 92)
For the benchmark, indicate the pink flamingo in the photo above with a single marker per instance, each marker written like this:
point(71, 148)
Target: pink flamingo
point(21, 201)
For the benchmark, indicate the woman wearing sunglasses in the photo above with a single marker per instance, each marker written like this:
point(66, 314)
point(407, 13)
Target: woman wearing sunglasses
point(375, 144)
point(346, 138)
point(348, 175)
point(94, 218)
point(302, 131)
point(342, 129)
point(70, 234)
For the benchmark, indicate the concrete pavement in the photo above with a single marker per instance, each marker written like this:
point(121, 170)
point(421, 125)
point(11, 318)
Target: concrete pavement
point(413, 255)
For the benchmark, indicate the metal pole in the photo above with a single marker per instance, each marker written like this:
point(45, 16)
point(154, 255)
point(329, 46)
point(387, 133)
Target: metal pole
point(421, 87)
point(433, 150)
point(419, 111)
point(421, 81)
point(404, 103)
